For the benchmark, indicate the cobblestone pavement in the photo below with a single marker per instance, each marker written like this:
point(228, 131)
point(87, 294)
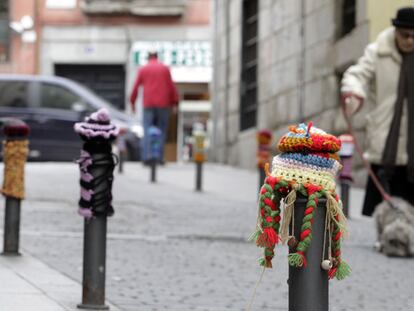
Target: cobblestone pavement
point(170, 248)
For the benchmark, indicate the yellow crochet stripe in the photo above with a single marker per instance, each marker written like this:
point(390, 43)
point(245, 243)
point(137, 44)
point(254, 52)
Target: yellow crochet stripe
point(289, 142)
point(304, 175)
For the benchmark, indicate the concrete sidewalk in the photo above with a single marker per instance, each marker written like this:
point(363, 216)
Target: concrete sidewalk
point(28, 284)
point(171, 248)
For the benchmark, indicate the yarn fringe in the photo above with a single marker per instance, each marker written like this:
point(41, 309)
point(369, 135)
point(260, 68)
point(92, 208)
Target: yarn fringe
point(334, 209)
point(271, 228)
point(255, 235)
point(289, 202)
point(265, 263)
point(343, 270)
point(297, 260)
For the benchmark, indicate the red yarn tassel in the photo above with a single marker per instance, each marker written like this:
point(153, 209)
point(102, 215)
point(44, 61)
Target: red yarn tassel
point(268, 238)
point(302, 254)
point(268, 263)
point(332, 272)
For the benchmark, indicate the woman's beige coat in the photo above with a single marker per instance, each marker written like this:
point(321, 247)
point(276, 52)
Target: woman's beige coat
point(375, 78)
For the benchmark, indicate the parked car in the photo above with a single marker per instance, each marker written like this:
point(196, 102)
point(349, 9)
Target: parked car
point(51, 105)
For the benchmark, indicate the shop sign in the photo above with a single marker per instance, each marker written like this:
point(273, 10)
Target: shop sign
point(174, 53)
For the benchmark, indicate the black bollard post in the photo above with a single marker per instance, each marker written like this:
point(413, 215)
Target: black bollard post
point(122, 149)
point(96, 165)
point(308, 286)
point(121, 163)
point(94, 263)
point(298, 204)
point(155, 155)
point(345, 176)
point(153, 165)
point(15, 155)
point(345, 186)
point(199, 153)
point(11, 227)
point(199, 175)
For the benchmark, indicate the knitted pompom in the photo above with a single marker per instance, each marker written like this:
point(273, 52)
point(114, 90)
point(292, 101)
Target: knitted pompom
point(101, 116)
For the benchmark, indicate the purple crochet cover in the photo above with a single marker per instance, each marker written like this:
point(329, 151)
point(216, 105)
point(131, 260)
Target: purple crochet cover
point(97, 125)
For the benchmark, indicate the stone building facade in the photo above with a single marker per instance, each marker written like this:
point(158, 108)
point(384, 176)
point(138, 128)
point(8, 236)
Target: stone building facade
point(279, 62)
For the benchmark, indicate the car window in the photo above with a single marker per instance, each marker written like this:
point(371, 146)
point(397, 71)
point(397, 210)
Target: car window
point(55, 96)
point(13, 93)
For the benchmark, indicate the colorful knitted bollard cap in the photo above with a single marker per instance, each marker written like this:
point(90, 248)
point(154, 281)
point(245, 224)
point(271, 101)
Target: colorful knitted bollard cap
point(309, 155)
point(308, 164)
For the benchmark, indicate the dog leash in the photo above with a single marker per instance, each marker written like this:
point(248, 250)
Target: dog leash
point(385, 195)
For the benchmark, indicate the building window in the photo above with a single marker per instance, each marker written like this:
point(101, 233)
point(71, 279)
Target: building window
point(248, 99)
point(348, 16)
point(4, 30)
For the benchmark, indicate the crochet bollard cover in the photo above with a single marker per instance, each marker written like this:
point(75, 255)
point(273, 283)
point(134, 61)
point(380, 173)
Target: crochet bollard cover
point(96, 164)
point(307, 166)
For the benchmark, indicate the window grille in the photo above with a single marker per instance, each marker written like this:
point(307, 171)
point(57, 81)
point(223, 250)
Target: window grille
point(248, 92)
point(348, 16)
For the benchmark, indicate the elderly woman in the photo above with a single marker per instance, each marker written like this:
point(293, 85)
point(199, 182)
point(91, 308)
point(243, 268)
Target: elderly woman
point(384, 77)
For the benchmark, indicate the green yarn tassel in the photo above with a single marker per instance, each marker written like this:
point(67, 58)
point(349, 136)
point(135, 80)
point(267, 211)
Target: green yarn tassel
point(265, 263)
point(295, 260)
point(254, 235)
point(343, 271)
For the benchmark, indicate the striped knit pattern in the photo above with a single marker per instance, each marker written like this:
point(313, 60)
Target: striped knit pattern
point(308, 164)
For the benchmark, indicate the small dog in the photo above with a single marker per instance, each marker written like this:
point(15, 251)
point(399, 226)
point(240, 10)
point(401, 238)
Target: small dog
point(395, 227)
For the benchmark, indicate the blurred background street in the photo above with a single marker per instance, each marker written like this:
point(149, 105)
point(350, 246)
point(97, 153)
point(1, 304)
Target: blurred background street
point(240, 67)
point(171, 248)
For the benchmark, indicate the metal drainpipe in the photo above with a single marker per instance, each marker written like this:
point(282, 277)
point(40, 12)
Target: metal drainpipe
point(302, 63)
point(227, 83)
point(215, 107)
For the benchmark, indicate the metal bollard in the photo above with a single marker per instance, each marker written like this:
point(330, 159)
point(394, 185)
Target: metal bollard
point(264, 139)
point(199, 156)
point(96, 176)
point(298, 204)
point(155, 151)
point(308, 286)
point(122, 149)
point(345, 176)
point(15, 155)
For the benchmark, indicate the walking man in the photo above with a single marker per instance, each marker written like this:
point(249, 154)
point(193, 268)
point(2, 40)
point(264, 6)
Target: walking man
point(160, 96)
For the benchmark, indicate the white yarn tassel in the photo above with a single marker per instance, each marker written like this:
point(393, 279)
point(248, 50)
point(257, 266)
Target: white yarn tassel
point(288, 203)
point(334, 208)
